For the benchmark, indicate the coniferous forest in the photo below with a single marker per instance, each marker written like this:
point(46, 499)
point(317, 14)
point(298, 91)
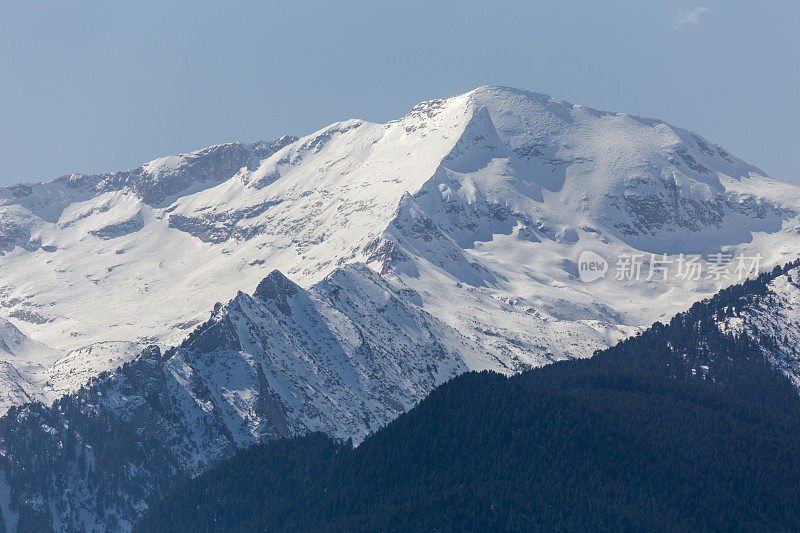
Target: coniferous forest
point(679, 428)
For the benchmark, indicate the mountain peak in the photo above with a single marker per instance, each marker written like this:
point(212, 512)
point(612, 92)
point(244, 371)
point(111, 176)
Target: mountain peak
point(275, 285)
point(278, 289)
point(505, 92)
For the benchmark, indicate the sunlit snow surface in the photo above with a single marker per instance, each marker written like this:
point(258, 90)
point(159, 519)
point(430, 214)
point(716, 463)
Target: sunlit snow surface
point(474, 208)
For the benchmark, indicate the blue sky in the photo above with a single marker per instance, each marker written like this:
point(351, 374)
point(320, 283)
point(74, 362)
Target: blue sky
point(95, 86)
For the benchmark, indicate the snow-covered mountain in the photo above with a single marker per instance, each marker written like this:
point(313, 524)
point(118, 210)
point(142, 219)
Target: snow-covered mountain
point(363, 265)
point(480, 204)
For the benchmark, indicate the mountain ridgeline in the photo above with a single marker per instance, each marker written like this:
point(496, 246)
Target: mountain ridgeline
point(687, 426)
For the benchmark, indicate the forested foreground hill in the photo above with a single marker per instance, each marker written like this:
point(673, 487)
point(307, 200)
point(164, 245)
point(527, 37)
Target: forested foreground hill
point(687, 426)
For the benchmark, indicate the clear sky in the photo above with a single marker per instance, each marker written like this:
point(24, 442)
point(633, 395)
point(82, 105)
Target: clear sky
point(93, 86)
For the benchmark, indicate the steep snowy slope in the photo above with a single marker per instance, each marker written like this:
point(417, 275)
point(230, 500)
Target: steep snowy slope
point(480, 204)
point(104, 255)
